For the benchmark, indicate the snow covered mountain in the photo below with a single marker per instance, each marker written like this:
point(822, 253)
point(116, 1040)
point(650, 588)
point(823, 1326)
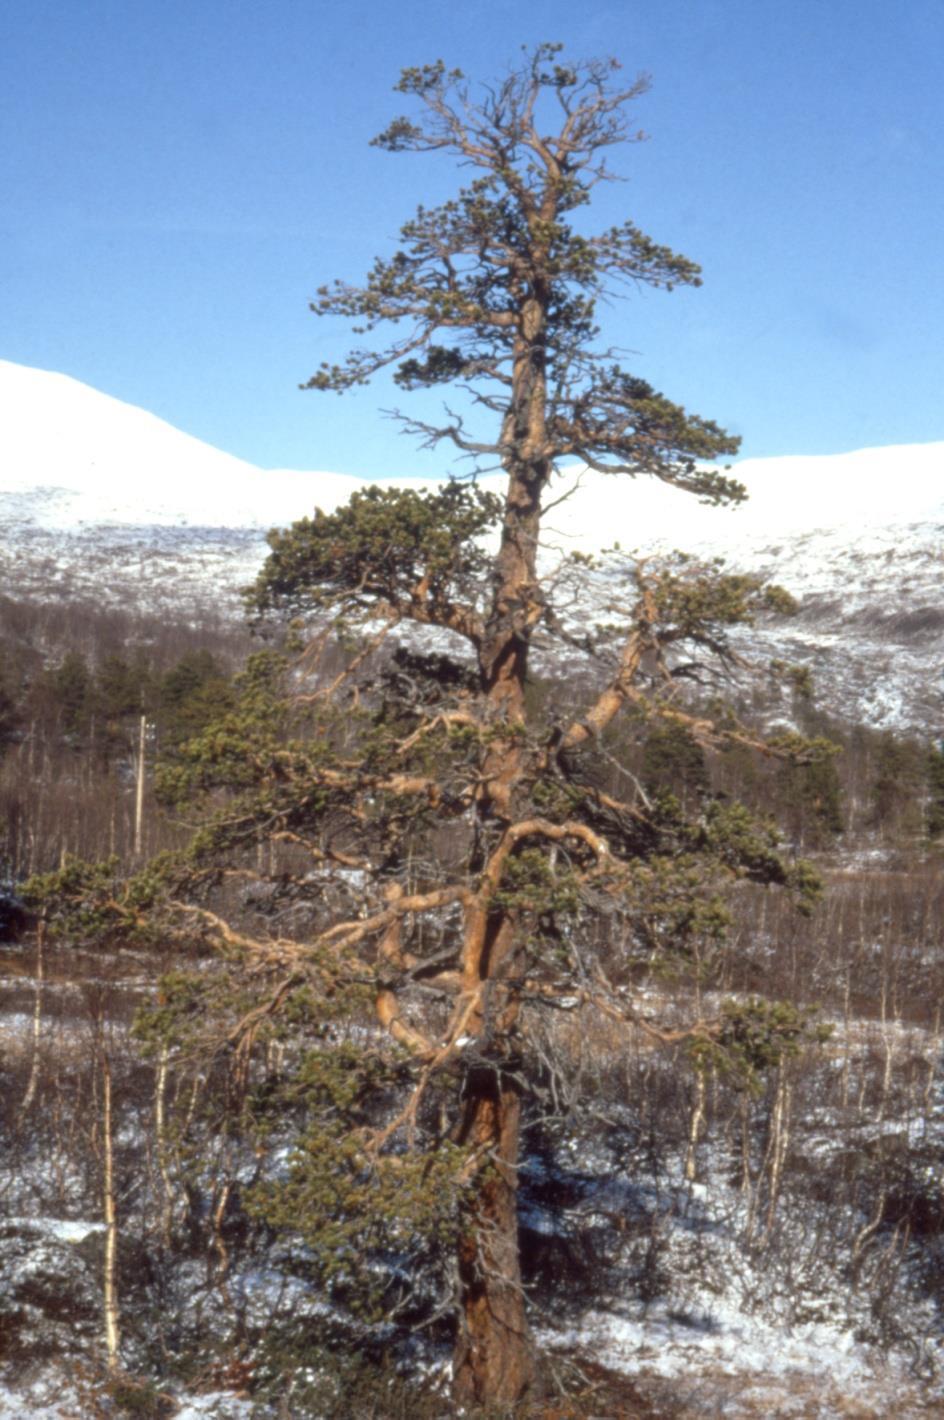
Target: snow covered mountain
point(102, 500)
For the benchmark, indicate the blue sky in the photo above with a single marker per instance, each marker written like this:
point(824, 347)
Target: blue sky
point(178, 178)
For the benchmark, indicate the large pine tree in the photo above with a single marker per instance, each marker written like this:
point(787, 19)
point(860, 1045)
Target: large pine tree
point(458, 847)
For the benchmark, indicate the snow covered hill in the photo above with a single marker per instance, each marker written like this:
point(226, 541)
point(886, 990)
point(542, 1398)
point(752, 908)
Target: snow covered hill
point(100, 499)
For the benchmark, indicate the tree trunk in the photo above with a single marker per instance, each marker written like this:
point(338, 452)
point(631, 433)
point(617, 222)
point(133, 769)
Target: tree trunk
point(160, 1130)
point(110, 1213)
point(37, 1021)
point(494, 1357)
point(494, 1361)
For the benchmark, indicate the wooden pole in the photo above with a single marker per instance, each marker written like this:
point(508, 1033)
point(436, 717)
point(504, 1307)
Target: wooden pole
point(139, 791)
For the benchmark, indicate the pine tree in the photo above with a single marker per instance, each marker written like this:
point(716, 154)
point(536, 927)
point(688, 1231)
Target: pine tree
point(449, 843)
point(71, 691)
point(896, 787)
point(934, 770)
point(9, 715)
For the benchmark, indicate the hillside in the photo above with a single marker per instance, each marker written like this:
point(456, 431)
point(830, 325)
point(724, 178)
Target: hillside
point(103, 501)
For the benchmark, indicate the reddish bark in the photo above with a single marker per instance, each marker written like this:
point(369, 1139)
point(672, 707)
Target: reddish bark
point(494, 1360)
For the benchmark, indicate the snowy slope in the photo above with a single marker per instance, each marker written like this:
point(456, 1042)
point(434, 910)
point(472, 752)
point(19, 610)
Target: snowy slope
point(98, 498)
point(73, 457)
point(857, 538)
point(78, 457)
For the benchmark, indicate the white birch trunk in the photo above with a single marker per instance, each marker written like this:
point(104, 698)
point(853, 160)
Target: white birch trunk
point(33, 1082)
point(112, 1319)
point(695, 1127)
point(160, 1130)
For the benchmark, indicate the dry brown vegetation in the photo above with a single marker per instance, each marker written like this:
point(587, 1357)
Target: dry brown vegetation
point(832, 1168)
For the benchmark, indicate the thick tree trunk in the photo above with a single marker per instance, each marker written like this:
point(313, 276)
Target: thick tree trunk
point(494, 1358)
point(494, 1361)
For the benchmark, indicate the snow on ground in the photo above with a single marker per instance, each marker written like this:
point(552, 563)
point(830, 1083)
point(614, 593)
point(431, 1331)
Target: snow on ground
point(65, 1230)
point(728, 1340)
point(35, 1403)
point(58, 1400)
point(724, 1341)
point(219, 1406)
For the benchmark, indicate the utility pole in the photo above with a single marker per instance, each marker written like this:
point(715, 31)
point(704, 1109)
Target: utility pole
point(139, 790)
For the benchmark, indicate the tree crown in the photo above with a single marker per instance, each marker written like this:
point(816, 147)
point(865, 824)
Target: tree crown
point(498, 291)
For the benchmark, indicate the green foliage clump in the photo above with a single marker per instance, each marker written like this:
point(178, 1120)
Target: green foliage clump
point(72, 688)
point(756, 1036)
point(895, 791)
point(532, 884)
point(193, 693)
point(244, 745)
point(10, 714)
point(673, 761)
point(798, 677)
point(694, 600)
point(352, 1200)
point(675, 909)
point(811, 799)
point(89, 902)
point(181, 1000)
point(381, 546)
point(751, 849)
point(79, 899)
